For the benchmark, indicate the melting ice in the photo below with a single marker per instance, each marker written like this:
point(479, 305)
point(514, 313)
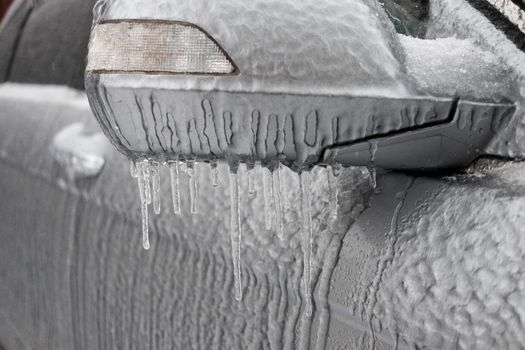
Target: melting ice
point(148, 178)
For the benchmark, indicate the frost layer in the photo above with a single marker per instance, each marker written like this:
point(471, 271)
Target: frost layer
point(295, 46)
point(458, 277)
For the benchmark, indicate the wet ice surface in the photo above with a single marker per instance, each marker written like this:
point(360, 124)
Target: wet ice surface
point(302, 56)
point(181, 293)
point(87, 244)
point(275, 195)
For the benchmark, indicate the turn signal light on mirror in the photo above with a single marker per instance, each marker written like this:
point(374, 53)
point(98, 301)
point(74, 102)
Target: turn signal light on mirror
point(155, 47)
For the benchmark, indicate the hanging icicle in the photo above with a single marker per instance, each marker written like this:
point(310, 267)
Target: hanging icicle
point(155, 183)
point(251, 179)
point(214, 173)
point(133, 169)
point(267, 189)
point(277, 199)
point(306, 211)
point(235, 232)
point(175, 186)
point(333, 191)
point(192, 174)
point(143, 170)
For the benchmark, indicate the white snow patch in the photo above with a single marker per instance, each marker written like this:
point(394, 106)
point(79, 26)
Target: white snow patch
point(456, 67)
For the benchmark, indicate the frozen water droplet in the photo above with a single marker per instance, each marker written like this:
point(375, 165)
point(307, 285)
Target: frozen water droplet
point(235, 232)
point(214, 174)
point(175, 186)
point(306, 211)
point(193, 186)
point(333, 191)
point(133, 169)
point(278, 203)
point(155, 182)
point(251, 180)
point(267, 189)
point(146, 175)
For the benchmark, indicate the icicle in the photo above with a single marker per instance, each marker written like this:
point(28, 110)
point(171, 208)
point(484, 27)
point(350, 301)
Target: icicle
point(306, 211)
point(235, 232)
point(276, 179)
point(145, 227)
point(193, 186)
point(146, 174)
point(333, 191)
point(133, 169)
point(251, 180)
point(284, 200)
point(373, 176)
point(175, 186)
point(267, 188)
point(155, 183)
point(143, 182)
point(214, 174)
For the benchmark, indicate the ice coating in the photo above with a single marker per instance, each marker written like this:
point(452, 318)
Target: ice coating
point(81, 155)
point(458, 67)
point(236, 233)
point(290, 129)
point(192, 178)
point(155, 184)
point(267, 193)
point(143, 179)
point(462, 282)
point(175, 186)
point(319, 47)
point(90, 237)
point(451, 18)
point(306, 217)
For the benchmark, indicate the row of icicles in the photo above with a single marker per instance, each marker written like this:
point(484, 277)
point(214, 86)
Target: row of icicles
point(147, 174)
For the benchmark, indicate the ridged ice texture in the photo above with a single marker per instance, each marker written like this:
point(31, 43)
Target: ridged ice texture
point(292, 129)
point(301, 46)
point(457, 277)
